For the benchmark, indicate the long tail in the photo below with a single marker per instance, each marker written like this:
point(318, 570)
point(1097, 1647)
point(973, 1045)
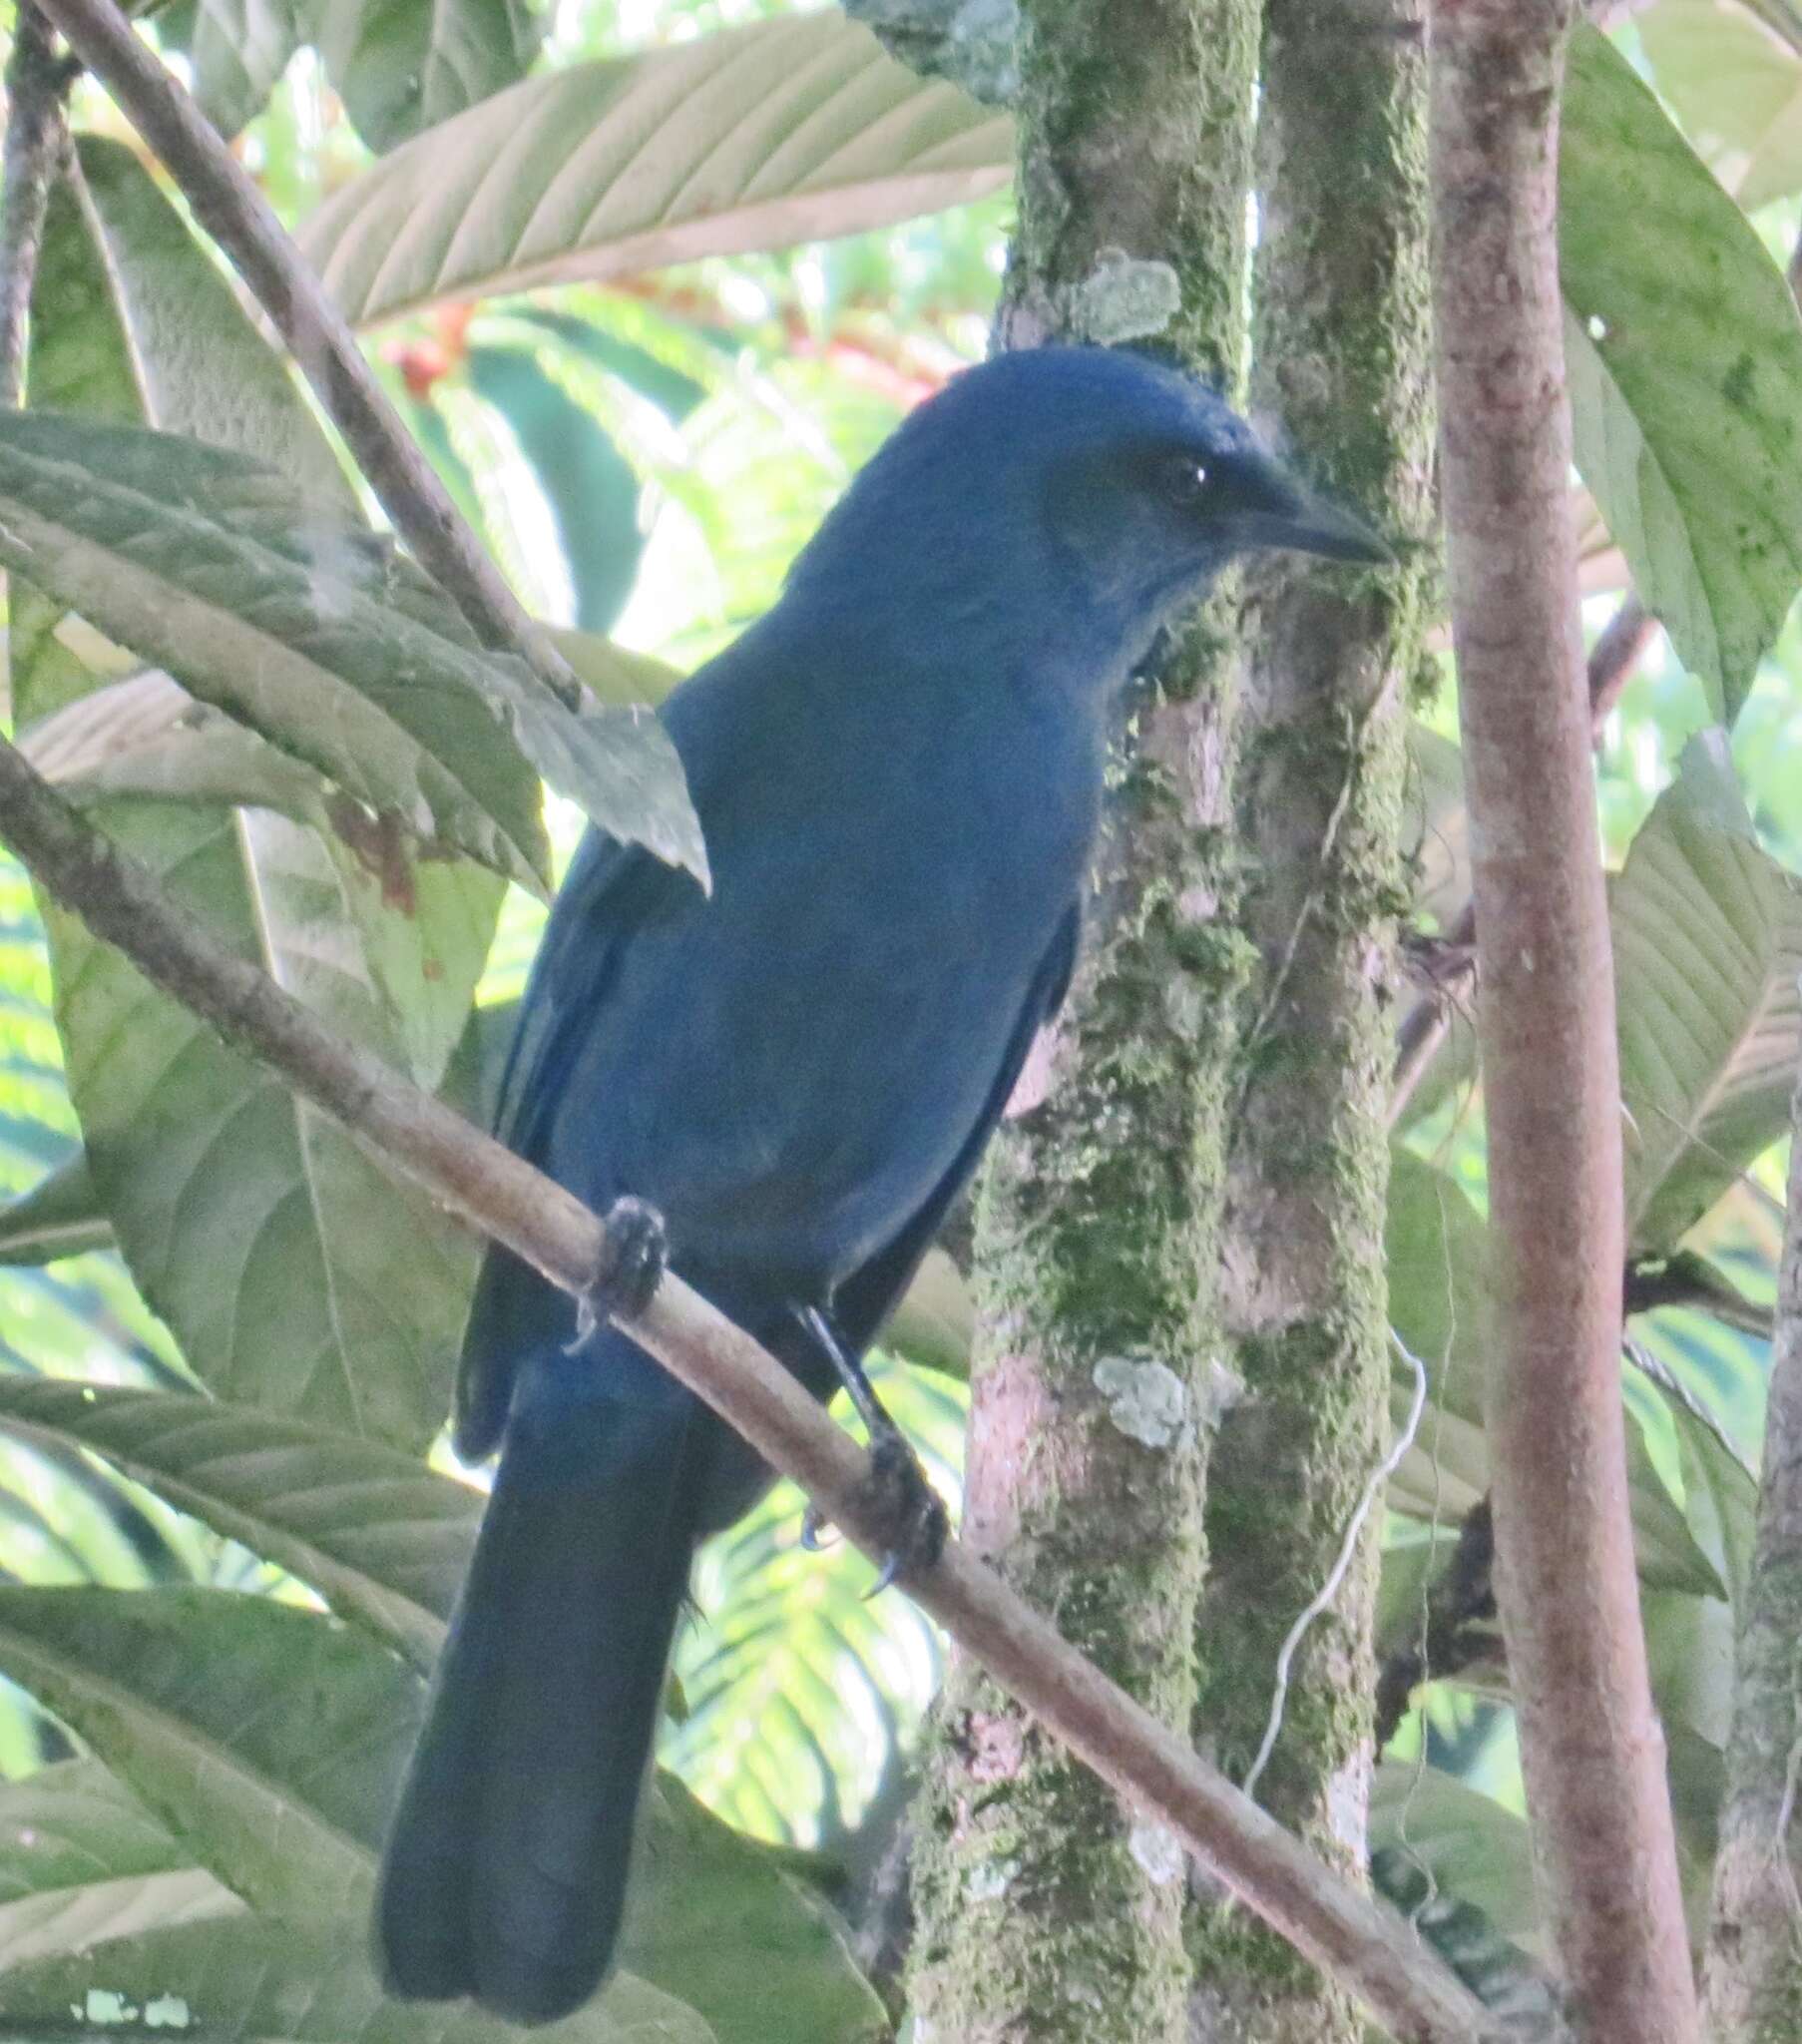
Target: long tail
point(506, 1866)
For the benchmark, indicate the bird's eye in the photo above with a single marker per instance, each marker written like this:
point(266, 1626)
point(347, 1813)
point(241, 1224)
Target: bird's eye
point(1185, 480)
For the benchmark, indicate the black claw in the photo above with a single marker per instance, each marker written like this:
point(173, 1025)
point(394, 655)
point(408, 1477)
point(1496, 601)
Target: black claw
point(814, 1524)
point(639, 1255)
point(901, 1490)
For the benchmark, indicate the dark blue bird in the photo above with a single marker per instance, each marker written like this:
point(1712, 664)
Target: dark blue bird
point(899, 773)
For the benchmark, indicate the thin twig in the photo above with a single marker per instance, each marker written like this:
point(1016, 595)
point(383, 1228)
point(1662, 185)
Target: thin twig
point(37, 133)
point(234, 213)
point(1359, 1942)
point(1567, 1586)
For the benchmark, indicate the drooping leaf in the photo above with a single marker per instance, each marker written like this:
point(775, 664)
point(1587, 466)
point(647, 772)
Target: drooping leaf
point(748, 138)
point(59, 1217)
point(1685, 358)
point(146, 736)
point(250, 1980)
point(1436, 1250)
point(1736, 84)
point(402, 65)
point(298, 622)
point(82, 1861)
point(1707, 935)
point(382, 1539)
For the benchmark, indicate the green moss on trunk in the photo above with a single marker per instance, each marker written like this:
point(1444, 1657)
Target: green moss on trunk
point(1044, 1912)
point(1343, 347)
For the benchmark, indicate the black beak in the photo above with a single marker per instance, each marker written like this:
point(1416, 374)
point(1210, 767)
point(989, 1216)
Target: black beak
point(1277, 512)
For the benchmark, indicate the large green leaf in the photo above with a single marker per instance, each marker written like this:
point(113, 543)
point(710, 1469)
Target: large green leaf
point(1707, 935)
point(383, 1539)
point(283, 1261)
point(401, 65)
point(1684, 358)
point(775, 131)
point(135, 324)
point(1737, 87)
point(295, 1273)
point(246, 1980)
point(82, 1861)
point(270, 1740)
point(1436, 1250)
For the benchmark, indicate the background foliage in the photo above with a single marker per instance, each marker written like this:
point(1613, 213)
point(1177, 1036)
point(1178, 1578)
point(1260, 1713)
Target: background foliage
point(227, 1539)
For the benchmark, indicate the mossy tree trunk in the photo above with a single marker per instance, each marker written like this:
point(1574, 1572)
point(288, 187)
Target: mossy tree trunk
point(1343, 352)
point(1044, 1912)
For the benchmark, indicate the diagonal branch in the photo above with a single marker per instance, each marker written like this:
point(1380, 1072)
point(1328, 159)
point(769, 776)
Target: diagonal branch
point(1358, 1941)
point(237, 217)
point(1592, 1748)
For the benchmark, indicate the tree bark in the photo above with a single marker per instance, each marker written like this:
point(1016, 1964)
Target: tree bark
point(1343, 374)
point(1753, 1976)
point(1044, 1910)
point(1568, 1598)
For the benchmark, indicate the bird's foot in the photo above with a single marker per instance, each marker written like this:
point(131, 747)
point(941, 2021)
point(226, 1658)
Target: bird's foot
point(899, 1488)
point(814, 1526)
point(637, 1249)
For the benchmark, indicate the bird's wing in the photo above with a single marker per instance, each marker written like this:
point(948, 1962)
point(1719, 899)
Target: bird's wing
point(864, 1301)
point(611, 891)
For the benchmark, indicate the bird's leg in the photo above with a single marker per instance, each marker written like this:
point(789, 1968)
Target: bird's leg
point(641, 1255)
point(894, 1467)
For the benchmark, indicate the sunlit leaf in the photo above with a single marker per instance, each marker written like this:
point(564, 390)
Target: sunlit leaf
point(1737, 87)
point(286, 1263)
point(775, 132)
point(1684, 358)
point(383, 1539)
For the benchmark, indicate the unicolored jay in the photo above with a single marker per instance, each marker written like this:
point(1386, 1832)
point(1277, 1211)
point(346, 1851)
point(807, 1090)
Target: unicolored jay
point(899, 773)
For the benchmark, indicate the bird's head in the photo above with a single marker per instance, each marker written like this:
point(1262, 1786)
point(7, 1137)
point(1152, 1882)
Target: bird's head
point(1081, 479)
